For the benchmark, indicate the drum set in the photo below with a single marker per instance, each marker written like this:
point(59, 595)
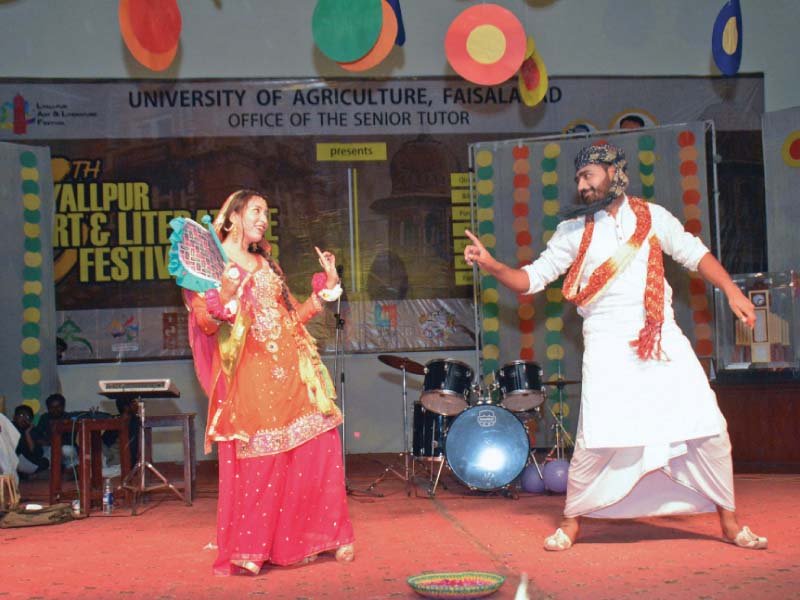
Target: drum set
point(482, 432)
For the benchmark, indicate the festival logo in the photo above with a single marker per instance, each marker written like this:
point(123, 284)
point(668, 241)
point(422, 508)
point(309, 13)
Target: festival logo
point(16, 115)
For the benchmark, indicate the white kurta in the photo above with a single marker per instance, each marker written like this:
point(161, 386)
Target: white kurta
point(651, 407)
point(9, 437)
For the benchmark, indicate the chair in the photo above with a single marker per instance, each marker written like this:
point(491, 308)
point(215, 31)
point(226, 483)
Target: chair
point(9, 493)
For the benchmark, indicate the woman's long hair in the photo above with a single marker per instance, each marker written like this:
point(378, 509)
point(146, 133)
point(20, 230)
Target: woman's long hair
point(236, 203)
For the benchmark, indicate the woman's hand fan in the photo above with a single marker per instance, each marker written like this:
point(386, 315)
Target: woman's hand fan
point(196, 258)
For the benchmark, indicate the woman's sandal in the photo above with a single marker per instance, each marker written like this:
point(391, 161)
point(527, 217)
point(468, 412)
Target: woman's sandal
point(749, 540)
point(557, 542)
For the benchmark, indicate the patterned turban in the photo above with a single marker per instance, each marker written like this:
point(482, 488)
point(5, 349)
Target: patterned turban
point(606, 154)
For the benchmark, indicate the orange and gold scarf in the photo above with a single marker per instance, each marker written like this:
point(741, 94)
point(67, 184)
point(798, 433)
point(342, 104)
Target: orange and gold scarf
point(648, 345)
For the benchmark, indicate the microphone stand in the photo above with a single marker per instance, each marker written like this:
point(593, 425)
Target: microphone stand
point(339, 381)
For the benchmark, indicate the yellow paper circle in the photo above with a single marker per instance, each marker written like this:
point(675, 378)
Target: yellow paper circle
point(485, 214)
point(562, 408)
point(486, 44)
point(33, 403)
point(31, 315)
point(547, 235)
point(555, 352)
point(30, 173)
point(648, 179)
point(485, 187)
point(554, 295)
point(31, 376)
point(491, 324)
point(483, 158)
point(31, 202)
point(490, 296)
point(554, 324)
point(491, 351)
point(31, 345)
point(33, 259)
point(552, 150)
point(32, 230)
point(32, 287)
point(647, 157)
point(551, 207)
point(549, 178)
point(489, 240)
point(526, 311)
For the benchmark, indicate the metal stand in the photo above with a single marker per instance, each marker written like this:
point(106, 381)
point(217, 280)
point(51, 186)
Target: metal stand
point(563, 438)
point(339, 381)
point(390, 469)
point(139, 471)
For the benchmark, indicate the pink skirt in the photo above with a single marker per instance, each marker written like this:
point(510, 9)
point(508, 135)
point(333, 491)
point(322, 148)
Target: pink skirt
point(283, 507)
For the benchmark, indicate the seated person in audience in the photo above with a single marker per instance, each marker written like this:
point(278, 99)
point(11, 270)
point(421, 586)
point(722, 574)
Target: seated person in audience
point(41, 432)
point(111, 450)
point(30, 454)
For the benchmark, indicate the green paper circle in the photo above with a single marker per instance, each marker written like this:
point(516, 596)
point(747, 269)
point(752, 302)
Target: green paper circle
point(485, 172)
point(549, 164)
point(550, 222)
point(488, 282)
point(27, 159)
point(345, 30)
point(553, 309)
point(31, 301)
point(30, 330)
point(32, 274)
point(485, 227)
point(33, 244)
point(489, 366)
point(30, 187)
point(490, 310)
point(552, 338)
point(32, 216)
point(485, 201)
point(31, 391)
point(648, 191)
point(30, 361)
point(647, 142)
point(550, 192)
point(491, 338)
point(646, 169)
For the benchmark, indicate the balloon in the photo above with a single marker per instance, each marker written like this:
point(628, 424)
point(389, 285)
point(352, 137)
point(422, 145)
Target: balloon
point(531, 481)
point(555, 476)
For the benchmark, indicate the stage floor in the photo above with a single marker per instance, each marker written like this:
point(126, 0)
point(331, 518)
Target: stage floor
point(165, 551)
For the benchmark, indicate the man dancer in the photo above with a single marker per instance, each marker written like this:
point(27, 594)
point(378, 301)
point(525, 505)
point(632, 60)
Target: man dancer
point(651, 439)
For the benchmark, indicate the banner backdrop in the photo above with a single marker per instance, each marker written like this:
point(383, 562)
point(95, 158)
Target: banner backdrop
point(376, 171)
point(520, 187)
point(28, 343)
point(781, 135)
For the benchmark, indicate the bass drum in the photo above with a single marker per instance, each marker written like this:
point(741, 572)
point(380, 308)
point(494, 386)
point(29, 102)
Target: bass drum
point(487, 447)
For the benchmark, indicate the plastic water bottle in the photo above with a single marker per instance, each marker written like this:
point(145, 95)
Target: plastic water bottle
point(108, 497)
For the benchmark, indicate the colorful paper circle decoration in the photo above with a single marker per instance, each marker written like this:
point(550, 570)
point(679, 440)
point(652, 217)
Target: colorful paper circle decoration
point(382, 47)
point(151, 31)
point(345, 30)
point(726, 38)
point(533, 77)
point(485, 44)
point(790, 151)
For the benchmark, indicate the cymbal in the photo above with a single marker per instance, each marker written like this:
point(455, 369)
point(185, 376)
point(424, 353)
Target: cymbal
point(558, 382)
point(401, 362)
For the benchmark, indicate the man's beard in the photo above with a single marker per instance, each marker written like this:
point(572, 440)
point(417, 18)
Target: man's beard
point(588, 207)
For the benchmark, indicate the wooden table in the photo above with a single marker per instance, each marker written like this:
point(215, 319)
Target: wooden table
point(90, 450)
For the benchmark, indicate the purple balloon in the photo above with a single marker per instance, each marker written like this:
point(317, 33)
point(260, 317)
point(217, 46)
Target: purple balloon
point(531, 481)
point(555, 476)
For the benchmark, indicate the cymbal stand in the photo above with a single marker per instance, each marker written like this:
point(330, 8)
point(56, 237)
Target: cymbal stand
point(563, 438)
point(139, 471)
point(390, 469)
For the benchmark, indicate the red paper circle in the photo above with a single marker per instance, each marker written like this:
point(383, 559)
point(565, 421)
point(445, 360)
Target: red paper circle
point(154, 61)
point(455, 44)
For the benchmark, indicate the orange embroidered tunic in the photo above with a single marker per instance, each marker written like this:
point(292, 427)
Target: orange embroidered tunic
point(268, 388)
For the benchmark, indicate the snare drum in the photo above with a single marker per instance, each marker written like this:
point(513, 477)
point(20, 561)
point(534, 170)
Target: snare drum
point(487, 447)
point(446, 386)
point(520, 385)
point(429, 432)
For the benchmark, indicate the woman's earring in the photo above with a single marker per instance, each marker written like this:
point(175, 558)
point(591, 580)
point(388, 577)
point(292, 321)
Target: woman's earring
point(236, 233)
